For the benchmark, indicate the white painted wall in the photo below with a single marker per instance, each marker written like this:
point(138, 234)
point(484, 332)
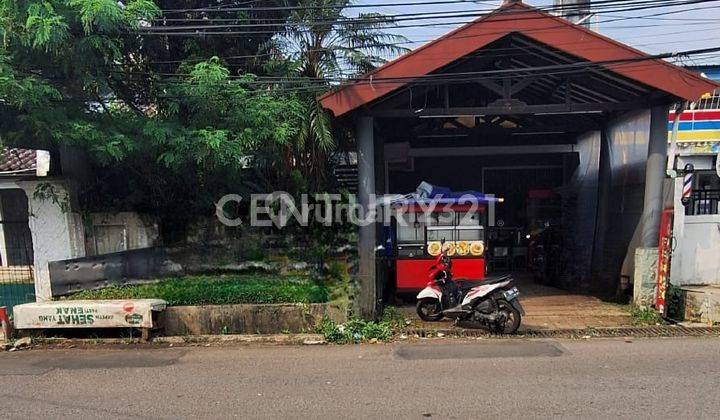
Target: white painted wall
point(56, 234)
point(696, 256)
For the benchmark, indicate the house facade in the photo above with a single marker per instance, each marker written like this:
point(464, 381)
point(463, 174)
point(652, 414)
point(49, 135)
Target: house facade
point(696, 225)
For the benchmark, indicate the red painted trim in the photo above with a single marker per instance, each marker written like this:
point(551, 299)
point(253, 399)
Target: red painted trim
point(412, 275)
point(696, 116)
point(537, 25)
point(5, 330)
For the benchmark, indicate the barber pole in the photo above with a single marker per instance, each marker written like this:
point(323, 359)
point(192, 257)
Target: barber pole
point(687, 184)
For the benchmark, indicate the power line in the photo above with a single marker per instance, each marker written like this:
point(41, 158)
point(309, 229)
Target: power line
point(427, 14)
point(201, 30)
point(566, 7)
point(484, 50)
point(324, 7)
point(466, 76)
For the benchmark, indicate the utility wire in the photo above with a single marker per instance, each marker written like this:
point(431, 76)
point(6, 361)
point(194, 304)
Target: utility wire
point(202, 30)
point(473, 75)
point(566, 7)
point(390, 18)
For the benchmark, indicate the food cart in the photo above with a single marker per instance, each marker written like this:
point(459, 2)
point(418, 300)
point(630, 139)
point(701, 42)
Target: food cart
point(420, 224)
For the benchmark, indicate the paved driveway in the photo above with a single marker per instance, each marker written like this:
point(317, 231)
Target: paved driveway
point(549, 308)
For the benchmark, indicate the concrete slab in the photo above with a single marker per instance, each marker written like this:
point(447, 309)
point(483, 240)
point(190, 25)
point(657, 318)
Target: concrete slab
point(701, 304)
point(487, 350)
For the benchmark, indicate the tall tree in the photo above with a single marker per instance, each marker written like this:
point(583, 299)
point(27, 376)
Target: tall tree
point(91, 74)
point(325, 46)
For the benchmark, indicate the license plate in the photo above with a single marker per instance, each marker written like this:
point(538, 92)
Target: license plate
point(511, 294)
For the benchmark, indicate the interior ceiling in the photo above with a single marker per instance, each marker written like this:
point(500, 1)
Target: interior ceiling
point(516, 105)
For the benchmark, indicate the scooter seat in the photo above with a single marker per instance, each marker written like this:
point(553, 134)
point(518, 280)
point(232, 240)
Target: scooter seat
point(468, 284)
point(465, 284)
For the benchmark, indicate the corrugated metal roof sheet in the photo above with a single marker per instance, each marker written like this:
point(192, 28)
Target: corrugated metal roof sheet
point(18, 160)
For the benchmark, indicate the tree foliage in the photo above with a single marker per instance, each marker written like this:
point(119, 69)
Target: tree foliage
point(323, 45)
point(77, 73)
point(168, 119)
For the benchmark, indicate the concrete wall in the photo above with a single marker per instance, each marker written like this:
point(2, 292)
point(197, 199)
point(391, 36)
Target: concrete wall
point(696, 257)
point(115, 232)
point(247, 319)
point(56, 232)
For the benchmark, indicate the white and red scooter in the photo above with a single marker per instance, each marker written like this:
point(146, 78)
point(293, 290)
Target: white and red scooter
point(491, 302)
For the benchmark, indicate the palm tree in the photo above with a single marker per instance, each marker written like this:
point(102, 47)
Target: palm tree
point(325, 46)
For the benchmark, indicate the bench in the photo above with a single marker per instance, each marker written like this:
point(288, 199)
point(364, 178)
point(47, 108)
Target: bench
point(131, 313)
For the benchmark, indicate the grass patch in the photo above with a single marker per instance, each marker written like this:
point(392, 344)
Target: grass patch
point(218, 290)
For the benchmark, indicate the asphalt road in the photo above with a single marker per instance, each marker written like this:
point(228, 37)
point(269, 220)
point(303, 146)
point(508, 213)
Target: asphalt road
point(663, 378)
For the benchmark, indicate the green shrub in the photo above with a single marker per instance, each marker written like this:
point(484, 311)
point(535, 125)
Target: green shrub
point(331, 331)
point(673, 300)
point(393, 318)
point(354, 331)
point(646, 316)
point(377, 330)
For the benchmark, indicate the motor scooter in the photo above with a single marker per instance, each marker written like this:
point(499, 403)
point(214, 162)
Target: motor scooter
point(491, 302)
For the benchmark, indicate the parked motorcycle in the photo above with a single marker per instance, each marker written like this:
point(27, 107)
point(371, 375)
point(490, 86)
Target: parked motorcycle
point(491, 302)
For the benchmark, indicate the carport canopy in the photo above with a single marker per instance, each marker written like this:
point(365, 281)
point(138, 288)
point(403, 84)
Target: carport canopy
point(517, 60)
point(515, 79)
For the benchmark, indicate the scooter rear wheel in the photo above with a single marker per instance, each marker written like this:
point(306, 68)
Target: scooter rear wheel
point(513, 318)
point(429, 309)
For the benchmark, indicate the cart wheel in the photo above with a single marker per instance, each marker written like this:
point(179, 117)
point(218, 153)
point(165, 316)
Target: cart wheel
point(429, 309)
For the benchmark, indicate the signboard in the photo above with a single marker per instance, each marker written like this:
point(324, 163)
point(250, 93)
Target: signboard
point(664, 257)
point(4, 324)
point(87, 314)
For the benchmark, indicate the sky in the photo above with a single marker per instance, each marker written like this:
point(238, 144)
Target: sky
point(693, 27)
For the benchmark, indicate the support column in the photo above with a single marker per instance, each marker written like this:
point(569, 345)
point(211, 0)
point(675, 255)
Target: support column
point(655, 176)
point(644, 277)
point(367, 299)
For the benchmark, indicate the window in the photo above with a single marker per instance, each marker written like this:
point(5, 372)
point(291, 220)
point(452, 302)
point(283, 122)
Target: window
point(456, 226)
point(410, 228)
point(705, 196)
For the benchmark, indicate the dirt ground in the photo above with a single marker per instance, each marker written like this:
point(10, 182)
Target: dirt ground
point(549, 308)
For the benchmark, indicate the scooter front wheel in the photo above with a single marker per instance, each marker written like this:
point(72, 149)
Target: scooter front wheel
point(429, 309)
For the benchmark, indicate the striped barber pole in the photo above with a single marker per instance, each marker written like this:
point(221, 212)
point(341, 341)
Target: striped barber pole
point(687, 184)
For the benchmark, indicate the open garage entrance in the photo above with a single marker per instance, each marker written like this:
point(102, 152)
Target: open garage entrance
point(572, 134)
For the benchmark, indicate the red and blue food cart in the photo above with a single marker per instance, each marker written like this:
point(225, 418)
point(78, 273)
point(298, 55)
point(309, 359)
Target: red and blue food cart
point(419, 227)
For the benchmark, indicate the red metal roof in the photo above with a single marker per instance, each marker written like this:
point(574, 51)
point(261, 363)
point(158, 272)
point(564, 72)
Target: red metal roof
point(532, 23)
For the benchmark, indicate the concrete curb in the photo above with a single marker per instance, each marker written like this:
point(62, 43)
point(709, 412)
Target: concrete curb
point(277, 339)
point(317, 339)
point(288, 339)
point(585, 333)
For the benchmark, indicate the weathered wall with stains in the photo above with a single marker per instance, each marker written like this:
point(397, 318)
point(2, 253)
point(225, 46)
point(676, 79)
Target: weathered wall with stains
point(115, 232)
